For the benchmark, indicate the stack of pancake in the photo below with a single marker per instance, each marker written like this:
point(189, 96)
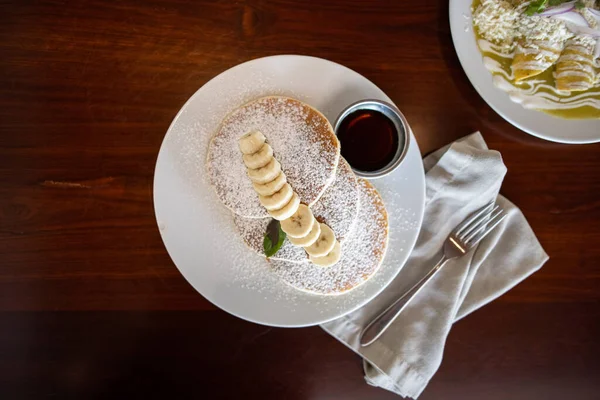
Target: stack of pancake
point(303, 142)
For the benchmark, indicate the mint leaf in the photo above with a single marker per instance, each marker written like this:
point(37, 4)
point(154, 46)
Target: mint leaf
point(274, 238)
point(268, 245)
point(579, 5)
point(282, 236)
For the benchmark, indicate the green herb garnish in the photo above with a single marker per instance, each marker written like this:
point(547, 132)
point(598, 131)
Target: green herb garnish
point(535, 7)
point(274, 238)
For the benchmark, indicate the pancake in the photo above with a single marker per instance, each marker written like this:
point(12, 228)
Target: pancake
point(362, 252)
point(303, 142)
point(338, 208)
point(339, 205)
point(252, 231)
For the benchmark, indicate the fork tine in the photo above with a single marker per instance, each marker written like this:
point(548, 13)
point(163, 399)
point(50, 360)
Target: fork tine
point(480, 225)
point(478, 238)
point(467, 222)
point(475, 225)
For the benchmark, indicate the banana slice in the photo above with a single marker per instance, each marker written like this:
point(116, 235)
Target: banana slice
point(260, 158)
point(278, 199)
point(267, 189)
point(324, 244)
point(299, 224)
point(251, 142)
point(309, 239)
point(331, 258)
point(266, 173)
point(288, 210)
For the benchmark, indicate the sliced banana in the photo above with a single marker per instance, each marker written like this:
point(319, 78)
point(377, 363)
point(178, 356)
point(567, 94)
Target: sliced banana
point(260, 158)
point(251, 142)
point(288, 210)
point(309, 239)
point(324, 244)
point(299, 224)
point(266, 173)
point(331, 258)
point(278, 199)
point(267, 189)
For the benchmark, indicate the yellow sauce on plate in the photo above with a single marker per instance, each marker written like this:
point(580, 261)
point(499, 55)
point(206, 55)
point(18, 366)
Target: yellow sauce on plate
point(542, 83)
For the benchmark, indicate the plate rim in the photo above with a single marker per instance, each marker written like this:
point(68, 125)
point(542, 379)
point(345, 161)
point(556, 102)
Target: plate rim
point(409, 245)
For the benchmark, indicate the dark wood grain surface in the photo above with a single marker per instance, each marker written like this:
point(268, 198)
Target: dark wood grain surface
point(91, 305)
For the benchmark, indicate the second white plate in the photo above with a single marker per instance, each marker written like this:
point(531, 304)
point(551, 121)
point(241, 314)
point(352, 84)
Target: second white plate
point(197, 229)
point(536, 123)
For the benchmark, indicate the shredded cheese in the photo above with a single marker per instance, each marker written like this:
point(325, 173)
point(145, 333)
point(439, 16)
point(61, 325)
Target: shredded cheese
point(496, 21)
point(505, 24)
point(542, 28)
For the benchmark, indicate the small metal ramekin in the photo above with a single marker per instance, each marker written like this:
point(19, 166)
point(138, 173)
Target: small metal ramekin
point(399, 122)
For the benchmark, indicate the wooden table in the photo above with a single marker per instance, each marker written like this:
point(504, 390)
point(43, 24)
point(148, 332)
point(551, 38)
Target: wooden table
point(91, 304)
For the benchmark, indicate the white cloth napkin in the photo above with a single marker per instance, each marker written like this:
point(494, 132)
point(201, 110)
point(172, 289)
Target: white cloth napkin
point(460, 178)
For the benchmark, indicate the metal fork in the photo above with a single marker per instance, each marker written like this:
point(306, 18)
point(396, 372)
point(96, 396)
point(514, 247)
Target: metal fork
point(460, 241)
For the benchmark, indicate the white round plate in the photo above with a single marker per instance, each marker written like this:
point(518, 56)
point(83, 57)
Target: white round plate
point(198, 230)
point(537, 123)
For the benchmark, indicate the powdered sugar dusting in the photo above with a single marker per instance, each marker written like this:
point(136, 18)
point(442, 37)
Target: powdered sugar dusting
point(362, 252)
point(252, 231)
point(338, 208)
point(302, 140)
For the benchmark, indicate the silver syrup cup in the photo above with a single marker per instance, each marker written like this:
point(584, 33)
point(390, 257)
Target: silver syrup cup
point(400, 124)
